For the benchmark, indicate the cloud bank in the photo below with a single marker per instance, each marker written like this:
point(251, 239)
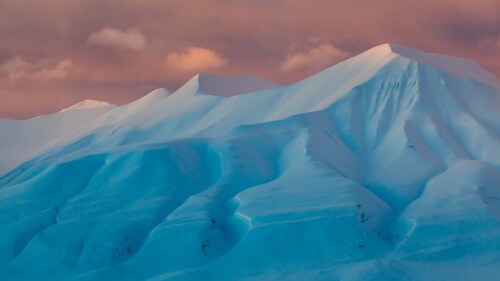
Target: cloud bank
point(17, 68)
point(123, 49)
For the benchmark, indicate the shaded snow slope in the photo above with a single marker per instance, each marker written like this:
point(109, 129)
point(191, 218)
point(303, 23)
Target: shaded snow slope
point(383, 167)
point(451, 65)
point(22, 139)
point(227, 86)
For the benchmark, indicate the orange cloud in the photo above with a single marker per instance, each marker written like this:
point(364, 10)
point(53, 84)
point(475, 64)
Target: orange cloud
point(131, 39)
point(322, 55)
point(18, 67)
point(195, 59)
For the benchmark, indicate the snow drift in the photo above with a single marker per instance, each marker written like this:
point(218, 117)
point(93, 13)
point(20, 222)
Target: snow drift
point(383, 167)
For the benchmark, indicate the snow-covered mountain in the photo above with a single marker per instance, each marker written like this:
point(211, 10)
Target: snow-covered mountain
point(22, 139)
point(383, 167)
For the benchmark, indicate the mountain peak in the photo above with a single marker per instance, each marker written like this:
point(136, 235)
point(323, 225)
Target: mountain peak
point(86, 104)
point(452, 65)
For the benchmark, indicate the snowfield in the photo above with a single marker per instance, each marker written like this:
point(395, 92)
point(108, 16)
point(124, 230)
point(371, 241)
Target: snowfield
point(383, 167)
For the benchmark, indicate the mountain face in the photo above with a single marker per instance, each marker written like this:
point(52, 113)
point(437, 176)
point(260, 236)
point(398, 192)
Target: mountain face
point(383, 167)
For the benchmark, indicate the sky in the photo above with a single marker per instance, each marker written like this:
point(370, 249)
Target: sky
point(54, 53)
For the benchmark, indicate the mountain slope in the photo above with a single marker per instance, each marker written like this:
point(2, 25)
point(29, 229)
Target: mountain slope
point(22, 139)
point(383, 167)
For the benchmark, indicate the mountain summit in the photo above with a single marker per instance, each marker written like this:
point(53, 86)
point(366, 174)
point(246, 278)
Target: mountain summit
point(452, 65)
point(383, 167)
point(86, 104)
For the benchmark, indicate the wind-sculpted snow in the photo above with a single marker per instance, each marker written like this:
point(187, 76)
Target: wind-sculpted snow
point(383, 167)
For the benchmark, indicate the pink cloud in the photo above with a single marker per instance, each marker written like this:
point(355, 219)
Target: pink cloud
point(131, 39)
point(195, 59)
point(17, 68)
point(321, 55)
